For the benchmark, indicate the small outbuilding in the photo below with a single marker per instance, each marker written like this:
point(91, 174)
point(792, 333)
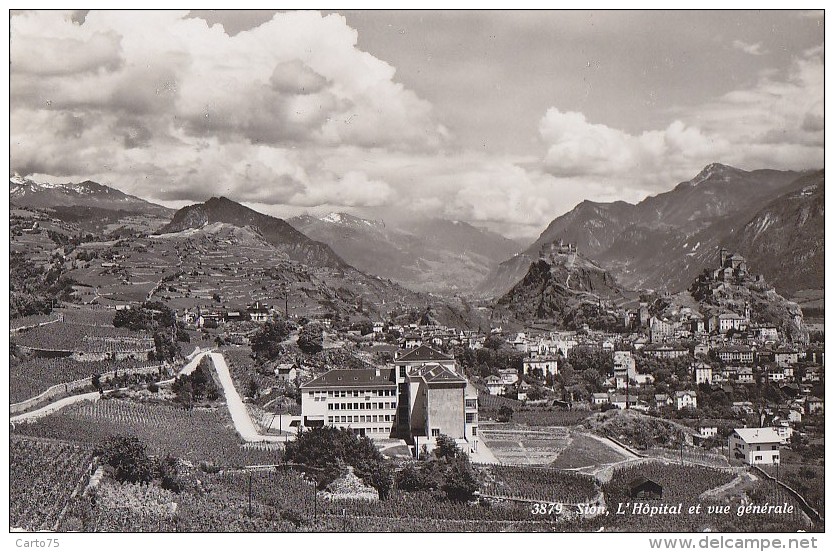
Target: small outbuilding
point(641, 487)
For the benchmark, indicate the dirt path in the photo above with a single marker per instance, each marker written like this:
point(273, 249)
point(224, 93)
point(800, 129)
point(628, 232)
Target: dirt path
point(240, 415)
point(53, 407)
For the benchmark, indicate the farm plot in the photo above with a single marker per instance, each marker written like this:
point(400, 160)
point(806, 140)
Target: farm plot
point(684, 484)
point(544, 484)
point(200, 434)
point(586, 452)
point(63, 336)
point(28, 378)
point(538, 446)
point(42, 478)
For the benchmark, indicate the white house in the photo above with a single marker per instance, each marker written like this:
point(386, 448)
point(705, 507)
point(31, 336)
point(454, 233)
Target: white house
point(708, 431)
point(756, 445)
point(494, 385)
point(547, 365)
point(685, 399)
point(703, 373)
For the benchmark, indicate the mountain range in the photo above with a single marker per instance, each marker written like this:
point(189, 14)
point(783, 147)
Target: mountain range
point(277, 232)
point(664, 241)
point(93, 206)
point(432, 255)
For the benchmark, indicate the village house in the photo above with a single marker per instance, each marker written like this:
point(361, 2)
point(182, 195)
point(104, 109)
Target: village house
point(685, 399)
point(494, 385)
point(541, 364)
point(707, 432)
point(666, 351)
point(765, 334)
point(623, 401)
point(599, 398)
point(701, 349)
point(785, 356)
point(745, 376)
point(662, 400)
point(258, 312)
point(286, 372)
point(702, 372)
point(624, 365)
point(814, 405)
point(508, 376)
point(756, 445)
point(735, 353)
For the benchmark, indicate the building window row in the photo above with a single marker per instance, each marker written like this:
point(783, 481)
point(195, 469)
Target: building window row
point(358, 419)
point(361, 406)
point(357, 393)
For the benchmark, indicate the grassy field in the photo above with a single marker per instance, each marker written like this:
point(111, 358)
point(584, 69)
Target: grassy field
point(584, 451)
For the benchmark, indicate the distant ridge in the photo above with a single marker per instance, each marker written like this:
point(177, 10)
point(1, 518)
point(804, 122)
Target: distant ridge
point(274, 231)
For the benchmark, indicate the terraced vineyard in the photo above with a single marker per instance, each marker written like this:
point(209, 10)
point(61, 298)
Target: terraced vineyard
point(196, 435)
point(42, 478)
point(685, 484)
point(519, 445)
point(546, 485)
point(32, 376)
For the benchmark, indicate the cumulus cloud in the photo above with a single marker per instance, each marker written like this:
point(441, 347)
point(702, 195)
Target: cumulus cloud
point(291, 115)
point(209, 111)
point(755, 49)
point(776, 123)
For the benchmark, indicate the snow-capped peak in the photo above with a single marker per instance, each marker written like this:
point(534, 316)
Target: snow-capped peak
point(335, 218)
point(17, 180)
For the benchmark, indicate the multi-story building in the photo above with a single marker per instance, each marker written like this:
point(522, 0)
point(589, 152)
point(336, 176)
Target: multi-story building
point(731, 321)
point(703, 373)
point(735, 353)
point(756, 445)
point(541, 364)
point(666, 351)
point(421, 397)
point(364, 401)
point(661, 330)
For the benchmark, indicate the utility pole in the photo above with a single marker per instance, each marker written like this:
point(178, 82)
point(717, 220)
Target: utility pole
point(250, 494)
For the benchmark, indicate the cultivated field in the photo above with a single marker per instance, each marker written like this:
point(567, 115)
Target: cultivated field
point(201, 434)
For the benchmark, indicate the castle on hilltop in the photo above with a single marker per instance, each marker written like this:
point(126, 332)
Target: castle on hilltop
point(558, 252)
point(732, 267)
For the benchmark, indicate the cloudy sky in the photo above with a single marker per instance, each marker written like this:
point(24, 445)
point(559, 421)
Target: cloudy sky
point(503, 119)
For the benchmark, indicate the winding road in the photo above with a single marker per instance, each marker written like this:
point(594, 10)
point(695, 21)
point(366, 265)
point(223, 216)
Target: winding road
point(243, 423)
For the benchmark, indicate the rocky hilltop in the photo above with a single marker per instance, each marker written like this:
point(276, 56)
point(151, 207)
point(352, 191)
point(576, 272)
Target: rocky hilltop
point(275, 231)
point(565, 288)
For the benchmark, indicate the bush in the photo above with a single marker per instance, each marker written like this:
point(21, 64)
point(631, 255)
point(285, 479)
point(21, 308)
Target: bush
point(311, 339)
point(266, 343)
point(330, 449)
point(127, 458)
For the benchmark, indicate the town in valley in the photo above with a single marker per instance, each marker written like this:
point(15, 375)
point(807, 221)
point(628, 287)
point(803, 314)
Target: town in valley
point(194, 359)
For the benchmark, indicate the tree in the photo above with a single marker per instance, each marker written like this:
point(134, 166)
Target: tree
point(494, 342)
point(266, 343)
point(330, 449)
point(445, 448)
point(127, 458)
point(311, 339)
point(505, 413)
point(460, 483)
